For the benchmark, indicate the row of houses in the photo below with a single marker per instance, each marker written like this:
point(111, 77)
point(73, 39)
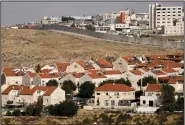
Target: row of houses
point(167, 69)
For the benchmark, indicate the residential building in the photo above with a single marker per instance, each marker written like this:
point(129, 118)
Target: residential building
point(126, 63)
point(151, 101)
point(112, 74)
point(79, 67)
point(170, 71)
point(27, 95)
point(101, 64)
point(42, 78)
point(178, 83)
point(152, 97)
point(27, 79)
point(11, 78)
point(61, 67)
point(94, 77)
point(114, 96)
point(169, 17)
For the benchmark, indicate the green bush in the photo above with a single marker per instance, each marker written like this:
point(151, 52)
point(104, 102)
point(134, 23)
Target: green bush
point(8, 113)
point(16, 113)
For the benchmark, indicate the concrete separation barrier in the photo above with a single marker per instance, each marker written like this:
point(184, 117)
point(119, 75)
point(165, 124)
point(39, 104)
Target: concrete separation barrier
point(125, 39)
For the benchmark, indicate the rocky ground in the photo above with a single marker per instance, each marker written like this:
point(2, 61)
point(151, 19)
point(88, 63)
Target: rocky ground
point(85, 117)
point(29, 47)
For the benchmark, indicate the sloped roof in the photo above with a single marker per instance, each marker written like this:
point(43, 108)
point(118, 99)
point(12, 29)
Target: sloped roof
point(9, 74)
point(154, 88)
point(115, 87)
point(7, 69)
point(97, 75)
point(49, 75)
point(85, 65)
point(62, 66)
point(173, 80)
point(104, 63)
point(169, 70)
point(136, 72)
point(131, 60)
point(13, 87)
point(111, 72)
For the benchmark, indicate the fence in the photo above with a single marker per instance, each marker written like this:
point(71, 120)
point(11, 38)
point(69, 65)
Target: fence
point(126, 39)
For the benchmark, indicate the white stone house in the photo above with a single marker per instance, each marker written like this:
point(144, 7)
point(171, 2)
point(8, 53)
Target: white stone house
point(114, 96)
point(112, 74)
point(28, 95)
point(74, 77)
point(152, 97)
point(126, 63)
point(178, 83)
point(94, 77)
point(11, 78)
point(27, 79)
point(42, 78)
point(79, 67)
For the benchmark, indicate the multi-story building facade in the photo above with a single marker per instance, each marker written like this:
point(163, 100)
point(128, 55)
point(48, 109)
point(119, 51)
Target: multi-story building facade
point(169, 17)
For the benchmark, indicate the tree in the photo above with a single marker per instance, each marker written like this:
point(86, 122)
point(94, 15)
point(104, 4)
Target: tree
point(16, 113)
point(66, 108)
point(38, 107)
point(30, 110)
point(146, 80)
point(69, 87)
point(52, 82)
point(118, 81)
point(168, 98)
point(8, 113)
point(179, 105)
point(86, 90)
point(90, 27)
point(38, 69)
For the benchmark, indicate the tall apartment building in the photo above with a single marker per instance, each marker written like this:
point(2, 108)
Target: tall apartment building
point(169, 17)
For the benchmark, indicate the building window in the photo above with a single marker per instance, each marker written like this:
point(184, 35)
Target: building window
point(97, 93)
point(106, 102)
point(149, 94)
point(107, 93)
point(173, 8)
point(179, 11)
point(164, 9)
point(144, 102)
point(46, 100)
point(173, 11)
point(112, 102)
point(179, 8)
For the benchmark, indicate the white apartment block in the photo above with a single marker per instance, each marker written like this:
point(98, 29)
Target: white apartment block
point(165, 16)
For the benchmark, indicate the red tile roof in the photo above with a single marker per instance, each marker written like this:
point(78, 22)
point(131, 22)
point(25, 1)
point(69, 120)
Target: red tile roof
point(173, 80)
point(48, 90)
point(154, 88)
point(10, 74)
point(31, 75)
point(13, 87)
point(46, 70)
point(62, 66)
point(115, 87)
point(111, 72)
point(49, 75)
point(169, 70)
point(158, 72)
point(7, 69)
point(156, 56)
point(97, 75)
point(85, 65)
point(136, 72)
point(103, 63)
point(130, 60)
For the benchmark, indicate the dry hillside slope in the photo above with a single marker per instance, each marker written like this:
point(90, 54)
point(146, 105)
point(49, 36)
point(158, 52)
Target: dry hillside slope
point(29, 47)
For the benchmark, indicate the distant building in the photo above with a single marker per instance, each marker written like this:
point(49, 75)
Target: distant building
point(169, 17)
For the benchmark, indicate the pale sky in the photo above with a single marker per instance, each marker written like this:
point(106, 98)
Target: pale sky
point(21, 12)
